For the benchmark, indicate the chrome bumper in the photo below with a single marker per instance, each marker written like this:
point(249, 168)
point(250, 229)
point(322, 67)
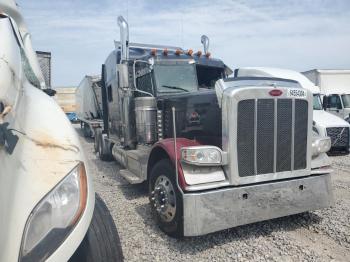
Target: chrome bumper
point(220, 209)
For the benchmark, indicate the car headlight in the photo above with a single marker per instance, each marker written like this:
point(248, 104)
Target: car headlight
point(55, 216)
point(321, 145)
point(203, 155)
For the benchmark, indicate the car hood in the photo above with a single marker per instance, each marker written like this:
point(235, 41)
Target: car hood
point(325, 119)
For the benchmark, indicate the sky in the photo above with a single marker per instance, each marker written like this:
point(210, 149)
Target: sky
point(298, 35)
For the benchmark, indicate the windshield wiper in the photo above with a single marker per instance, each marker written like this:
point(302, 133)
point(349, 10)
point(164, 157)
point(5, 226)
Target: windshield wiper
point(176, 88)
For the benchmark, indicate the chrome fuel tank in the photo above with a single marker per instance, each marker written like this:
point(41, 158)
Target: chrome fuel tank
point(146, 120)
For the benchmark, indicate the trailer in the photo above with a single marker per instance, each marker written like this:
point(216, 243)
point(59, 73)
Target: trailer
point(89, 104)
point(44, 59)
point(335, 88)
point(216, 152)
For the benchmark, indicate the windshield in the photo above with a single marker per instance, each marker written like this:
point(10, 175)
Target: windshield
point(175, 78)
point(346, 100)
point(208, 75)
point(317, 102)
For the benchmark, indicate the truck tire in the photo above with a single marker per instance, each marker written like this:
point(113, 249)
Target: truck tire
point(104, 152)
point(101, 242)
point(166, 199)
point(98, 133)
point(86, 130)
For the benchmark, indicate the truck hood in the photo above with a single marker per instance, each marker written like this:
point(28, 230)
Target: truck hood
point(325, 119)
point(41, 147)
point(47, 150)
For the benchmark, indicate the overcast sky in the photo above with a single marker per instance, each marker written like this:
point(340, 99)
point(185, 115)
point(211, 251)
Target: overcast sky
point(298, 35)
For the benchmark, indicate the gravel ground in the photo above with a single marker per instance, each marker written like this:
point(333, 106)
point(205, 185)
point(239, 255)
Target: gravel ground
point(314, 236)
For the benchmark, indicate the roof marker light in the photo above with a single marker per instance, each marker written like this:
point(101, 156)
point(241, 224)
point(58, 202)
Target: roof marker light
point(178, 52)
point(153, 52)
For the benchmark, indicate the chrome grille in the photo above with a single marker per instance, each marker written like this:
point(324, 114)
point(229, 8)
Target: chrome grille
point(339, 136)
point(300, 134)
point(284, 135)
point(271, 136)
point(245, 132)
point(265, 136)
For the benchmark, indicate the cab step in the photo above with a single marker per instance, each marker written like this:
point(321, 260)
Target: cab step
point(130, 177)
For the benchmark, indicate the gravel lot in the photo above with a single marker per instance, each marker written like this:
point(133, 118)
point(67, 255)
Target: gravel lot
point(314, 236)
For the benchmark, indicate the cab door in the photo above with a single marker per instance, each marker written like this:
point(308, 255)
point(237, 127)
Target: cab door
point(334, 105)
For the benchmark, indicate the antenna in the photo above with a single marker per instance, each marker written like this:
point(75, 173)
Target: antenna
point(182, 32)
point(127, 10)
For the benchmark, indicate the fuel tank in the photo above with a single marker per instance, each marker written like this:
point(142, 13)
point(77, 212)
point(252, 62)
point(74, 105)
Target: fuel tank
point(198, 116)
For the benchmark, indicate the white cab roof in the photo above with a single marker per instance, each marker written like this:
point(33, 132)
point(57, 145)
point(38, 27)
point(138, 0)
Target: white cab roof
point(280, 73)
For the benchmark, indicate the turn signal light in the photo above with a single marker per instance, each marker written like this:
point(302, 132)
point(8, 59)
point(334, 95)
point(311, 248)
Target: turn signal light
point(275, 92)
point(153, 52)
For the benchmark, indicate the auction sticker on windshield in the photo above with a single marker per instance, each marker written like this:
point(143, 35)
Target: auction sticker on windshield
point(298, 93)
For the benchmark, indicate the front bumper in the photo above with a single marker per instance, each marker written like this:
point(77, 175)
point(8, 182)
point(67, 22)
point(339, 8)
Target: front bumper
point(220, 209)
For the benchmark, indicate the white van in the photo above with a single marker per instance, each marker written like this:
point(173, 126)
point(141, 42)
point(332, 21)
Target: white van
point(324, 123)
point(335, 86)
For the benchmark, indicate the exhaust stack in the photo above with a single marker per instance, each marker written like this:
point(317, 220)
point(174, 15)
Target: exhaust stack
point(205, 43)
point(124, 38)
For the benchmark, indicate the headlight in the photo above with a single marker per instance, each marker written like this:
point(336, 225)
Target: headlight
point(203, 155)
point(55, 216)
point(321, 145)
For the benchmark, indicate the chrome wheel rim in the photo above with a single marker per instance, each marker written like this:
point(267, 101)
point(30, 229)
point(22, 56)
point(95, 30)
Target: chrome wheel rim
point(164, 199)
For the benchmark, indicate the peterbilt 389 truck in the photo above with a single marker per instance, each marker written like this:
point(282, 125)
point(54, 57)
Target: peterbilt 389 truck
point(216, 152)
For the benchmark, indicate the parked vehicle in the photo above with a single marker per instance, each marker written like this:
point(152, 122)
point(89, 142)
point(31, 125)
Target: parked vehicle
point(324, 123)
point(48, 207)
point(89, 104)
point(72, 116)
point(213, 157)
point(335, 86)
point(44, 59)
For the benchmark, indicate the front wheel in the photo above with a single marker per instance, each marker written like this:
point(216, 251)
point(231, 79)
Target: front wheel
point(104, 150)
point(101, 242)
point(166, 199)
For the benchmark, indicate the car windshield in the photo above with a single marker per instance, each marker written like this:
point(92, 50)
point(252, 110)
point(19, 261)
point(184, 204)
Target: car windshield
point(317, 102)
point(346, 100)
point(175, 77)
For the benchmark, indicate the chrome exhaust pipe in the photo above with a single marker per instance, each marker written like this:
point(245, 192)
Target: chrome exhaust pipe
point(205, 43)
point(124, 38)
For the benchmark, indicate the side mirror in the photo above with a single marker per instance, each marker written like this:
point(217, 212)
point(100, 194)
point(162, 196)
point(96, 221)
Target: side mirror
point(49, 92)
point(123, 75)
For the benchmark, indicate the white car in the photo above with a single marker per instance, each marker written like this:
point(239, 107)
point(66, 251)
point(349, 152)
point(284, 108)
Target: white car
point(48, 209)
point(324, 123)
